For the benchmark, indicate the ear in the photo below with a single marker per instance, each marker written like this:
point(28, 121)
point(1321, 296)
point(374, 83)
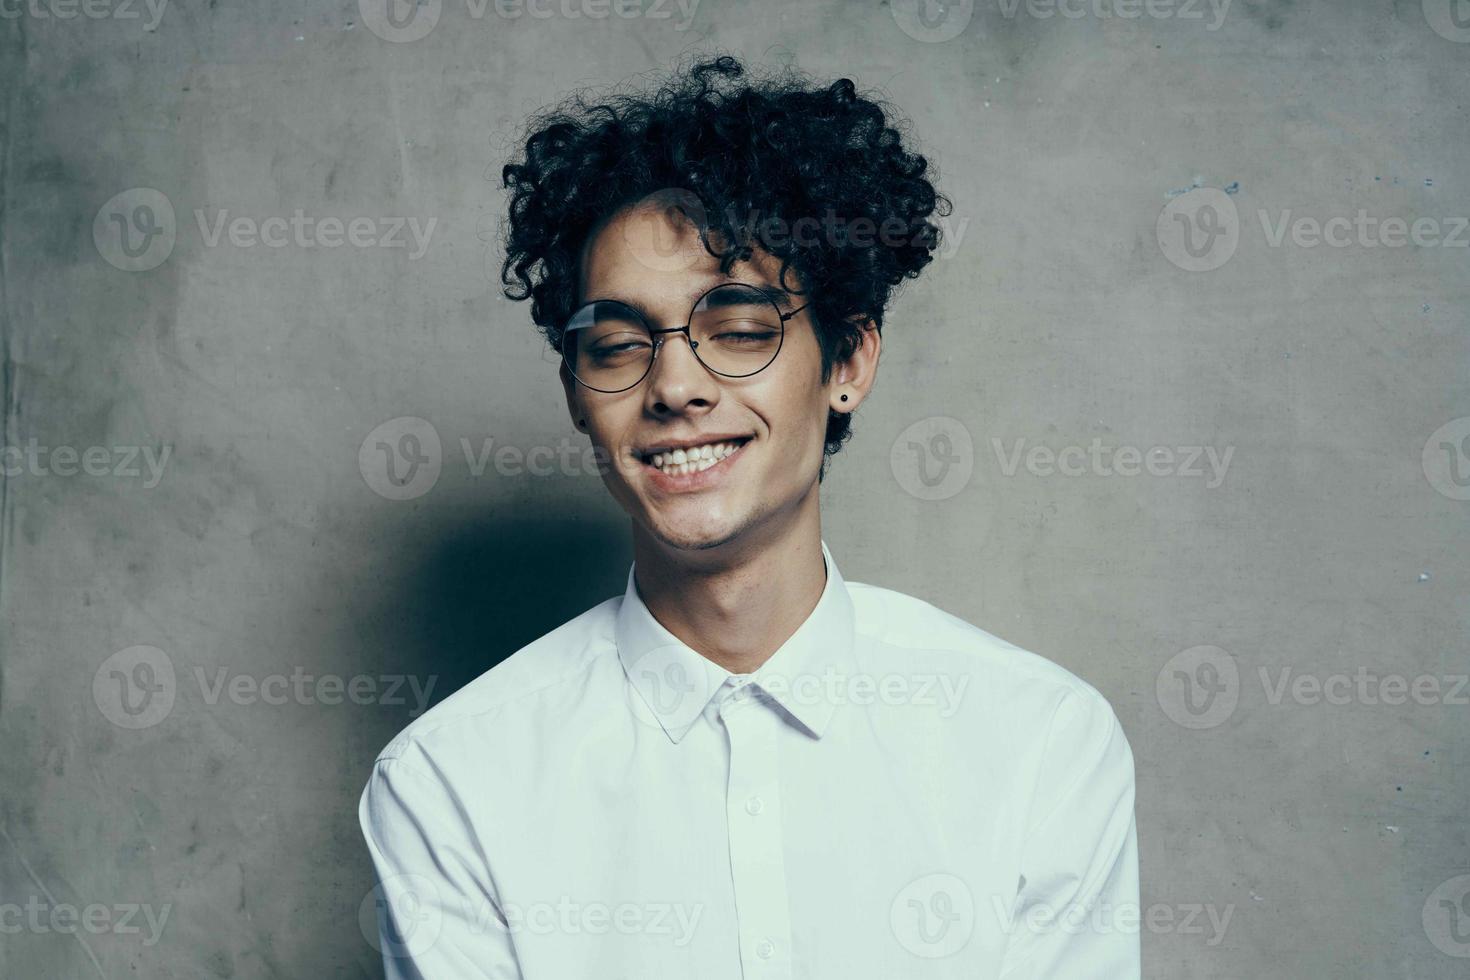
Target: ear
point(854, 376)
point(569, 387)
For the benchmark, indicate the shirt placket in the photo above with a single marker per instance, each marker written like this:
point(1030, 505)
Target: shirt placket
point(757, 856)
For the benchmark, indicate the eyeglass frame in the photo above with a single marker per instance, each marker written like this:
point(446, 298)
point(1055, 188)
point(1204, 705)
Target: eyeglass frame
point(658, 341)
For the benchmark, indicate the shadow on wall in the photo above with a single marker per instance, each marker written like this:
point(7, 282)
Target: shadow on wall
point(485, 589)
point(462, 593)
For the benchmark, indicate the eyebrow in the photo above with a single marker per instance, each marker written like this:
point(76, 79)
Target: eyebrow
point(775, 294)
point(772, 293)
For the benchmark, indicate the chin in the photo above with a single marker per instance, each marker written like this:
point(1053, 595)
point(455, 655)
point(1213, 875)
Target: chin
point(699, 533)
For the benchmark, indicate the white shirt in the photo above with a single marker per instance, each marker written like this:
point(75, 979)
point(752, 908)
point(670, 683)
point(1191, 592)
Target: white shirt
point(894, 794)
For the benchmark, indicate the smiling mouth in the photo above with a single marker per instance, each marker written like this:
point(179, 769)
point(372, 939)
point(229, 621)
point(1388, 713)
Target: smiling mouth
point(680, 462)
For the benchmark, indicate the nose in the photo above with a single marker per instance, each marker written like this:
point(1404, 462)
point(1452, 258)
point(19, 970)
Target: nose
point(677, 379)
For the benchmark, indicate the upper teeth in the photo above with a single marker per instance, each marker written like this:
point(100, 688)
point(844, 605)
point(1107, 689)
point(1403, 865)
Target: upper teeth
point(693, 459)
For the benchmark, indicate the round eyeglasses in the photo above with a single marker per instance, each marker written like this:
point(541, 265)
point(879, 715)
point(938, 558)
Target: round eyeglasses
point(735, 330)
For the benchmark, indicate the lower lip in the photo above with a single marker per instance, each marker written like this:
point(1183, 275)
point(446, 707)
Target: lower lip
point(701, 480)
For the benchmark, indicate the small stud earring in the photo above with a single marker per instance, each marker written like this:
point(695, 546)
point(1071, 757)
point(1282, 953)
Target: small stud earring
point(844, 398)
point(582, 423)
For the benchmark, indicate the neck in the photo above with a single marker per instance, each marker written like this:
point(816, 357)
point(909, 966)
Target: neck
point(738, 602)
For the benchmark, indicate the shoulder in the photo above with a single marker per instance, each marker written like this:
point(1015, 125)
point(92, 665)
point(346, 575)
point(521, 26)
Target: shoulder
point(1017, 713)
point(1006, 683)
point(920, 629)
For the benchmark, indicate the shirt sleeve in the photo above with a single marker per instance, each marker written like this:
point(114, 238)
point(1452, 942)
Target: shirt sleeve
point(1076, 914)
point(436, 913)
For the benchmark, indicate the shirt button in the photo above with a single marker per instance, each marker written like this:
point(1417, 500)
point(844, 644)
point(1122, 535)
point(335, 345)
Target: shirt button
point(753, 806)
point(765, 949)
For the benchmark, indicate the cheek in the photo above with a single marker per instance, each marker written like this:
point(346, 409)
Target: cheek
point(797, 407)
point(612, 419)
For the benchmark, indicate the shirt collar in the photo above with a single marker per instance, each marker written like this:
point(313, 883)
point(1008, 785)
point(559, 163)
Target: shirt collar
point(676, 683)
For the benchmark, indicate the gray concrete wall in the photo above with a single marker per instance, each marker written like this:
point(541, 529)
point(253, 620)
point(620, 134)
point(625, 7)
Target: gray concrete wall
point(1246, 620)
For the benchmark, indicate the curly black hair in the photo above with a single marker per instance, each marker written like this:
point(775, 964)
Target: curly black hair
point(756, 156)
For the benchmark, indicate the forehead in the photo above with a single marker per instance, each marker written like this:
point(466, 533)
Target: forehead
point(654, 258)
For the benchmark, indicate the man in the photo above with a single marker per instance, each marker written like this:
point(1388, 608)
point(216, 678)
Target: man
point(744, 766)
